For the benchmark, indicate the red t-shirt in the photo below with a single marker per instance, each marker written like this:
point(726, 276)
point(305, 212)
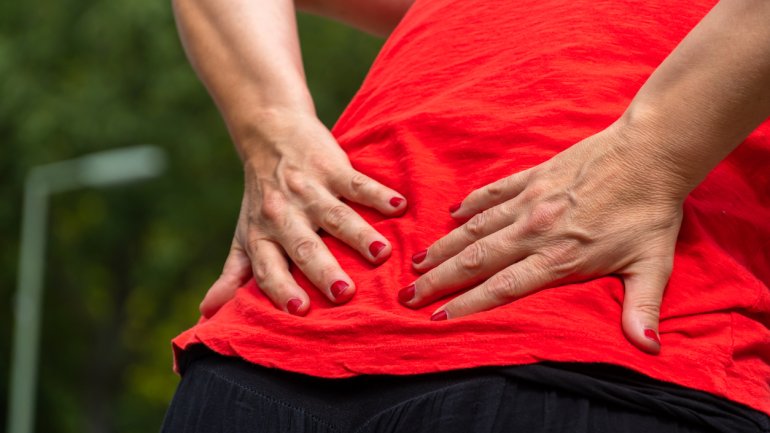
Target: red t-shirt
point(467, 92)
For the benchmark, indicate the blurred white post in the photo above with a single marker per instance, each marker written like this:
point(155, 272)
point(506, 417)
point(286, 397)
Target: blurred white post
point(95, 170)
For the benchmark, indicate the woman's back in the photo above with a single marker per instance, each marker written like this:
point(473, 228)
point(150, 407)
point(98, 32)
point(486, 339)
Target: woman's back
point(465, 93)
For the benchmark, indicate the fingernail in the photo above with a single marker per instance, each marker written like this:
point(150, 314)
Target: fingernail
point(652, 335)
point(454, 207)
point(338, 288)
point(375, 248)
point(419, 257)
point(441, 315)
point(406, 294)
point(396, 201)
point(293, 305)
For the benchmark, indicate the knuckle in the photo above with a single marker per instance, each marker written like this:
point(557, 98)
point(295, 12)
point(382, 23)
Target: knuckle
point(427, 283)
point(273, 206)
point(362, 237)
point(335, 216)
point(303, 250)
point(442, 246)
point(563, 258)
point(472, 257)
point(533, 192)
point(252, 246)
point(463, 303)
point(324, 166)
point(503, 287)
point(281, 289)
point(543, 217)
point(261, 271)
point(475, 226)
point(494, 190)
point(358, 182)
point(328, 272)
point(297, 182)
point(648, 307)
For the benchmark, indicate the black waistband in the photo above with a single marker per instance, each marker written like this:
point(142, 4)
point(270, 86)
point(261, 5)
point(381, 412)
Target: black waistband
point(609, 384)
point(621, 386)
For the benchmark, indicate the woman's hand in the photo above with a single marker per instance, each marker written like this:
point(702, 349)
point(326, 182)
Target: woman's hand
point(612, 204)
point(607, 205)
point(295, 174)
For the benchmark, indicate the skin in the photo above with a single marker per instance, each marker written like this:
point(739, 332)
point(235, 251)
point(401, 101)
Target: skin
point(610, 204)
point(247, 55)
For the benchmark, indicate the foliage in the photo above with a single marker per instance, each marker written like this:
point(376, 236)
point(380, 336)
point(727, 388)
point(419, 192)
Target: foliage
point(126, 267)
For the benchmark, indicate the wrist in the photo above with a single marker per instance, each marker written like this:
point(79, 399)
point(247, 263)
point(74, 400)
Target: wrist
point(631, 163)
point(665, 150)
point(257, 131)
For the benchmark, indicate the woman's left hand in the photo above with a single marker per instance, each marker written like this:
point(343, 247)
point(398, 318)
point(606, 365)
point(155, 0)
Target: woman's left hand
point(611, 204)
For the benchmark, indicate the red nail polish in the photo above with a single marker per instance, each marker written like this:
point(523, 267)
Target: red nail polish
point(441, 315)
point(293, 305)
point(419, 257)
point(396, 201)
point(338, 287)
point(454, 207)
point(652, 335)
point(406, 294)
point(375, 248)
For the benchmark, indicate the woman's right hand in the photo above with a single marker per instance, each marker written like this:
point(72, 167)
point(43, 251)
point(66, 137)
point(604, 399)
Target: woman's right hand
point(295, 174)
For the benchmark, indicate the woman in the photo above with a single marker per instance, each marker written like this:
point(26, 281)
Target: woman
point(577, 161)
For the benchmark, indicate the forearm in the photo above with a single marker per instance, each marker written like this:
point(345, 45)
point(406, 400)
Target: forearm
point(296, 175)
point(709, 94)
point(247, 55)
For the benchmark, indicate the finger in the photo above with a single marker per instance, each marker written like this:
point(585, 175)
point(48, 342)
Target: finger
point(513, 282)
point(347, 225)
point(313, 258)
point(490, 195)
point(271, 273)
point(644, 287)
point(362, 189)
point(235, 273)
point(479, 226)
point(475, 263)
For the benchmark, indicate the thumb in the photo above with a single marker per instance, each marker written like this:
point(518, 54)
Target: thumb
point(236, 272)
point(644, 287)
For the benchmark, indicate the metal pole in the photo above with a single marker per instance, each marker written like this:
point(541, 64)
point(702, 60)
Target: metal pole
point(95, 170)
point(30, 284)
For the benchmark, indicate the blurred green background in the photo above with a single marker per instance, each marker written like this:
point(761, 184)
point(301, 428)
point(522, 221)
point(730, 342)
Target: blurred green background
point(126, 266)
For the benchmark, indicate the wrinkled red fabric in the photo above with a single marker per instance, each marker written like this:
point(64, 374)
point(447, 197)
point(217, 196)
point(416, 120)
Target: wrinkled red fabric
point(466, 92)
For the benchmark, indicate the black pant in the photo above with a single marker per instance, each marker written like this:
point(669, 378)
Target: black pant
point(219, 394)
